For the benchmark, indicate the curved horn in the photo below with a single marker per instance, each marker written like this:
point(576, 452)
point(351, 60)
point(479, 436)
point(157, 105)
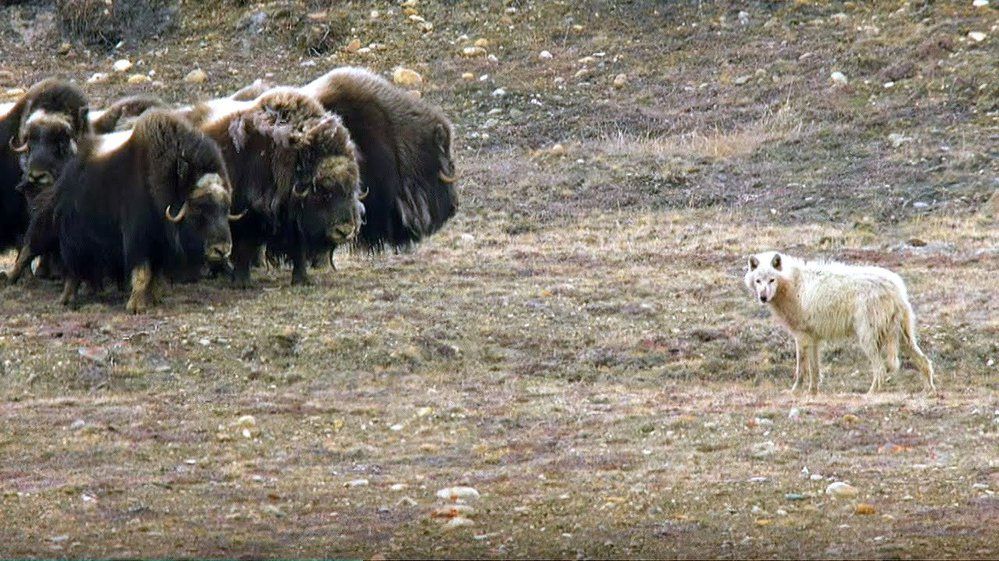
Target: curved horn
point(175, 218)
point(447, 178)
point(235, 217)
point(17, 149)
point(300, 194)
point(364, 195)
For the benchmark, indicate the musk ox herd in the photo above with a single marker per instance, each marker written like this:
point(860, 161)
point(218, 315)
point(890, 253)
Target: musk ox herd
point(142, 193)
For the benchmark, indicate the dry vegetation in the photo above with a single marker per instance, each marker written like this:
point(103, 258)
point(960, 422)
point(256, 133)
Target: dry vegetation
point(576, 345)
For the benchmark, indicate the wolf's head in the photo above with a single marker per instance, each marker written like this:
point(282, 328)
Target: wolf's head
point(765, 273)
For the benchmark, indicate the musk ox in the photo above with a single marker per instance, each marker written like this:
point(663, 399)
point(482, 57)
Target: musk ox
point(54, 113)
point(294, 169)
point(820, 302)
point(119, 205)
point(125, 110)
point(404, 147)
point(404, 152)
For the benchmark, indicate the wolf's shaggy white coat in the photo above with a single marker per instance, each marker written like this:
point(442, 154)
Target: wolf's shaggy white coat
point(824, 301)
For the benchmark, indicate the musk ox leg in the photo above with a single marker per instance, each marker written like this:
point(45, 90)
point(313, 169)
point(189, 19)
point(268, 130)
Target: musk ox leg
point(69, 289)
point(244, 253)
point(22, 263)
point(300, 268)
point(48, 268)
point(142, 295)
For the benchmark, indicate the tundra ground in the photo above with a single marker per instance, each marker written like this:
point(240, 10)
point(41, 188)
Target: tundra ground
point(576, 344)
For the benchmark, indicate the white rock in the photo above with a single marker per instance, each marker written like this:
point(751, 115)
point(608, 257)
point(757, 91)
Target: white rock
point(98, 78)
point(744, 18)
point(357, 483)
point(839, 78)
point(842, 490)
point(897, 139)
point(740, 80)
point(794, 413)
point(459, 522)
point(121, 65)
point(620, 81)
point(473, 52)
point(136, 79)
point(247, 421)
point(980, 3)
point(499, 92)
point(196, 76)
point(976, 36)
point(545, 55)
point(458, 493)
point(764, 449)
point(399, 487)
point(406, 77)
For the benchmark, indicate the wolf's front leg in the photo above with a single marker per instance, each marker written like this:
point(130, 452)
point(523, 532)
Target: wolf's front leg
point(799, 366)
point(814, 372)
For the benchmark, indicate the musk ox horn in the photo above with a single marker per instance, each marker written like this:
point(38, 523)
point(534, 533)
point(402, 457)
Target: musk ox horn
point(364, 195)
point(235, 217)
point(175, 218)
point(447, 178)
point(300, 194)
point(18, 149)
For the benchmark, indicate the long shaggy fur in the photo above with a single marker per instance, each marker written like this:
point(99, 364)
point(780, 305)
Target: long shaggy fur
point(55, 97)
point(294, 168)
point(405, 154)
point(820, 302)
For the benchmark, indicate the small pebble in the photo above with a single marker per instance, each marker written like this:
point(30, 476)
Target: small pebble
point(121, 65)
point(841, 489)
point(839, 78)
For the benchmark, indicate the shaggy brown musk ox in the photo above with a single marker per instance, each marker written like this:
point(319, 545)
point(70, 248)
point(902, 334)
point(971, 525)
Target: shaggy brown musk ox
point(119, 206)
point(294, 171)
point(56, 112)
point(404, 152)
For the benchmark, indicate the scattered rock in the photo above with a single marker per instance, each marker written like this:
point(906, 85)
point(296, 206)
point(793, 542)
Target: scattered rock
point(468, 76)
point(458, 493)
point(407, 78)
point(472, 52)
point(273, 510)
point(740, 80)
point(557, 150)
point(763, 449)
point(499, 92)
point(459, 522)
point(916, 242)
point(545, 55)
point(98, 78)
point(77, 424)
point(196, 76)
point(121, 65)
point(453, 511)
point(481, 43)
point(865, 509)
point(838, 78)
point(743, 17)
point(794, 413)
point(850, 419)
point(976, 36)
point(136, 79)
point(357, 483)
point(794, 497)
point(399, 487)
point(353, 46)
point(620, 81)
point(897, 139)
point(980, 3)
point(841, 490)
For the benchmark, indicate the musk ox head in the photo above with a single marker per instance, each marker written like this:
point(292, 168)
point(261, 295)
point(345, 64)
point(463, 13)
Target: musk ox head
point(325, 194)
point(188, 181)
point(52, 125)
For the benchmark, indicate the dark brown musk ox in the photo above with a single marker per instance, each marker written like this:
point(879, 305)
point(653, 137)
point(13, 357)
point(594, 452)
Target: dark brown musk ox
point(57, 111)
point(46, 142)
point(294, 169)
point(404, 147)
point(405, 155)
point(119, 205)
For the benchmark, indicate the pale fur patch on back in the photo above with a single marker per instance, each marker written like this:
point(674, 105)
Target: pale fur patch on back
point(5, 108)
point(109, 143)
point(220, 109)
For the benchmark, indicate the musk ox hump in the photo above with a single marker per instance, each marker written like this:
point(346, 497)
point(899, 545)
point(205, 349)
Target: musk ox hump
point(109, 143)
point(287, 116)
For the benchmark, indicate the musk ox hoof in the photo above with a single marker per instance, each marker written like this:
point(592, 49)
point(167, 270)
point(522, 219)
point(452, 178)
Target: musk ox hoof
point(138, 305)
point(242, 284)
point(4, 280)
point(301, 280)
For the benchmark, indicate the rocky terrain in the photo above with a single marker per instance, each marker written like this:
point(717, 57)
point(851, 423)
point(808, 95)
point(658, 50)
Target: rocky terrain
point(575, 345)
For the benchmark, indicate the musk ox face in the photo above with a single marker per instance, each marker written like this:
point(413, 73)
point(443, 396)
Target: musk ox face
point(326, 185)
point(48, 142)
point(205, 216)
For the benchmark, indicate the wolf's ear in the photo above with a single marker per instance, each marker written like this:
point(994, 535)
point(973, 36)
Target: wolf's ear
point(753, 263)
point(775, 262)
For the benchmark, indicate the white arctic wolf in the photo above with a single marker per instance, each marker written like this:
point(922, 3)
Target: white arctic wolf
point(828, 301)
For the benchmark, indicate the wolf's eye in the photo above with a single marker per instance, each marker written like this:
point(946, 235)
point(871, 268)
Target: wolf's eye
point(771, 281)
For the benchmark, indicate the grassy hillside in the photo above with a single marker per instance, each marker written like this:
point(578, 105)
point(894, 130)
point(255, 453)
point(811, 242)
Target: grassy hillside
point(576, 344)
